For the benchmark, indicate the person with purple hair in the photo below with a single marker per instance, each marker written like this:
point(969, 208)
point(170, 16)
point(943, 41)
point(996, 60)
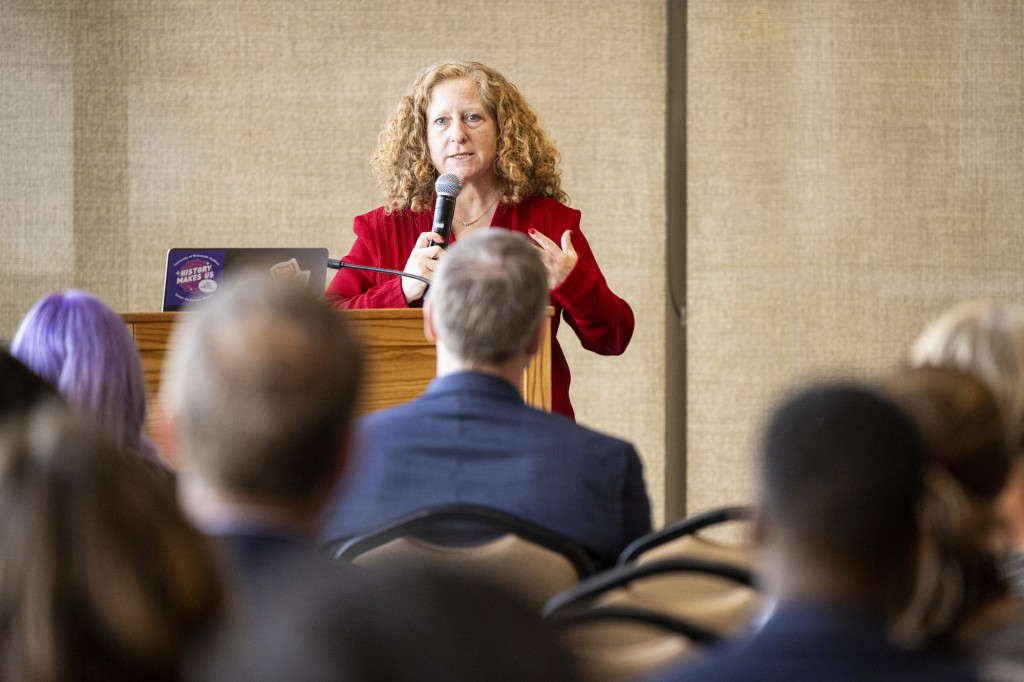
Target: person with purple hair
point(79, 345)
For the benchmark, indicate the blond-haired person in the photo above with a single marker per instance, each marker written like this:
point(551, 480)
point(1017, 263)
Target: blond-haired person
point(985, 339)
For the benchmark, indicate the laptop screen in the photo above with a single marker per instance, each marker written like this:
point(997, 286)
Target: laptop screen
point(193, 276)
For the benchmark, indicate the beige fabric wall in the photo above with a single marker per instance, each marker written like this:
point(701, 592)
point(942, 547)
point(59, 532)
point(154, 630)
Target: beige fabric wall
point(854, 168)
point(36, 155)
point(131, 126)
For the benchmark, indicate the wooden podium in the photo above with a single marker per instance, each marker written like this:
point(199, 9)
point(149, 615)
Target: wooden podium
point(400, 360)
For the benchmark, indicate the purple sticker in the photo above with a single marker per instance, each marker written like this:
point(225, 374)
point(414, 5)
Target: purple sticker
point(194, 277)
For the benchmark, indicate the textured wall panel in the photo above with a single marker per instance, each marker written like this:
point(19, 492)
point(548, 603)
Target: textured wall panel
point(251, 123)
point(854, 168)
point(36, 154)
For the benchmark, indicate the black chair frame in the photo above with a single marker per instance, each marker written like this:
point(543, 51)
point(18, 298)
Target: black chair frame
point(678, 529)
point(583, 594)
point(422, 522)
point(696, 633)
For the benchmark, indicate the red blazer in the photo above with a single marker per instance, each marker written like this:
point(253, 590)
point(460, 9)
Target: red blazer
point(602, 321)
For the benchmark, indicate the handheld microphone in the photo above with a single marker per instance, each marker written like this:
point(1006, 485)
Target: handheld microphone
point(447, 187)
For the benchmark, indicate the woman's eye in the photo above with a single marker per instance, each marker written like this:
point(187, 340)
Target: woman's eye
point(475, 117)
point(440, 121)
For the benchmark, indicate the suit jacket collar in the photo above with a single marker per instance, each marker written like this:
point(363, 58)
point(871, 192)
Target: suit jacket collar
point(474, 382)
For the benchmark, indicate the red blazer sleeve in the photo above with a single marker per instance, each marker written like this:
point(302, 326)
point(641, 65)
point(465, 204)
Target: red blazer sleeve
point(382, 241)
point(603, 322)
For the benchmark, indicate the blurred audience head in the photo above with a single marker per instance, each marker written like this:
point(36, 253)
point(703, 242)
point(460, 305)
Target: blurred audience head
point(259, 389)
point(968, 459)
point(101, 576)
point(842, 476)
point(986, 340)
point(961, 423)
point(20, 388)
point(489, 297)
point(84, 349)
point(398, 623)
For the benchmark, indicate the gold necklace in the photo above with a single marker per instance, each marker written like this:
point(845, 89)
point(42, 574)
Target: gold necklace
point(467, 224)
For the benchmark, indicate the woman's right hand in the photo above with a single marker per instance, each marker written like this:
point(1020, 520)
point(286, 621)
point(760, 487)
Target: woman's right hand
point(422, 262)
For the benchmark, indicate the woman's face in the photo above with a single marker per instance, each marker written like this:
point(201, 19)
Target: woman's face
point(461, 133)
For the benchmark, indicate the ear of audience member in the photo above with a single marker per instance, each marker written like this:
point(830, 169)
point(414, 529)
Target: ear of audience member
point(402, 623)
point(83, 348)
point(101, 576)
point(958, 586)
point(259, 390)
point(20, 388)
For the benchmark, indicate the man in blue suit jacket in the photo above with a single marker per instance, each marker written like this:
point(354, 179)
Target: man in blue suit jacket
point(842, 480)
point(470, 438)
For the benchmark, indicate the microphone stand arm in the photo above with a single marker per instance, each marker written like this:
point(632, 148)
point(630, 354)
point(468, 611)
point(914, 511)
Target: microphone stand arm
point(338, 264)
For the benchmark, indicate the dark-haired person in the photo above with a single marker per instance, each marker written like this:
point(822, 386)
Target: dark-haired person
point(842, 473)
point(103, 577)
point(470, 438)
point(20, 388)
point(466, 118)
point(398, 623)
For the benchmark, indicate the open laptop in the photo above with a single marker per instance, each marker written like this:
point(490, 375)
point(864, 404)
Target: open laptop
point(193, 276)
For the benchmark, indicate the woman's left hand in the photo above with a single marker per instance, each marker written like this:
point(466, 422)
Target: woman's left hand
point(558, 261)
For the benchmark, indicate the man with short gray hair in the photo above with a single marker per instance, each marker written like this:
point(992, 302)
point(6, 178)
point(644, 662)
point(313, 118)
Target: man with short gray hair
point(470, 438)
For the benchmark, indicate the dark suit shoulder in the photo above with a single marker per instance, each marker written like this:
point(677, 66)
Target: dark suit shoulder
point(528, 426)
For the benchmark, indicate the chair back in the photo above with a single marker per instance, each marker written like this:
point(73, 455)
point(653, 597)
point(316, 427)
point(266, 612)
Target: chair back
point(696, 537)
point(618, 643)
point(503, 549)
point(718, 597)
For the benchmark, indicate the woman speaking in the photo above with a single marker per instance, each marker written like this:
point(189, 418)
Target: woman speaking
point(465, 118)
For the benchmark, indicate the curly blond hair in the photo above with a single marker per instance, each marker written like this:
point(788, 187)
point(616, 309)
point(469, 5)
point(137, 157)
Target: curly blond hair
point(526, 159)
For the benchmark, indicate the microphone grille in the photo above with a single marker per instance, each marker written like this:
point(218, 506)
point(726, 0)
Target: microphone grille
point(448, 185)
